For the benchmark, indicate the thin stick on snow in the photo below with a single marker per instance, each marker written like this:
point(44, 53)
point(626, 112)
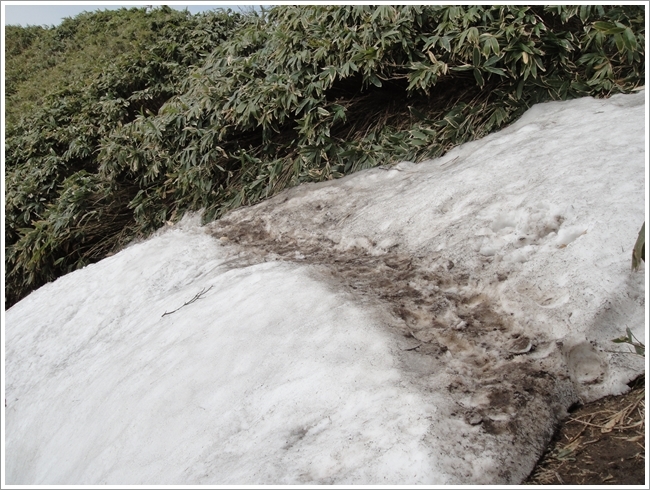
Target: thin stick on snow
point(197, 296)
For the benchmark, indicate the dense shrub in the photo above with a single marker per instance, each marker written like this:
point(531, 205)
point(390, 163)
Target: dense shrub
point(216, 111)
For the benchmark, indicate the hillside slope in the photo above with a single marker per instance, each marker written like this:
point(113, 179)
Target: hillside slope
point(422, 324)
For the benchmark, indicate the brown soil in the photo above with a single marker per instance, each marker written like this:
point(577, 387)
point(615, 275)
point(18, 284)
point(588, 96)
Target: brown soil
point(601, 443)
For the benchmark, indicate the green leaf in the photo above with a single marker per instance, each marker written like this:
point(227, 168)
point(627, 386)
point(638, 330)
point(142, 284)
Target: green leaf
point(491, 60)
point(497, 71)
point(418, 134)
point(478, 77)
point(419, 114)
point(629, 39)
point(638, 253)
point(608, 27)
point(520, 88)
point(494, 45)
point(472, 35)
point(476, 56)
point(620, 43)
point(374, 80)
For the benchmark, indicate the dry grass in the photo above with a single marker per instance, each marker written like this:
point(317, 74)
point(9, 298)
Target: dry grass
point(600, 443)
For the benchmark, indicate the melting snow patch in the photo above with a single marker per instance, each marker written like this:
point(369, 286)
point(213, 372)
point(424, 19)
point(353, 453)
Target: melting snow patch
point(421, 324)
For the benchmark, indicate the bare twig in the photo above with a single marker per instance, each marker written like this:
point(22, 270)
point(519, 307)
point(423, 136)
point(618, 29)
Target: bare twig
point(197, 296)
point(584, 427)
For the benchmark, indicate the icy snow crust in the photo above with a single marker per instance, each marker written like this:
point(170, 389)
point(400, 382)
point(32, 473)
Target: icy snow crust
point(420, 324)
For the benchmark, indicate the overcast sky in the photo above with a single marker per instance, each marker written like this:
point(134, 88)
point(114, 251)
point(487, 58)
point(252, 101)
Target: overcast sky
point(52, 13)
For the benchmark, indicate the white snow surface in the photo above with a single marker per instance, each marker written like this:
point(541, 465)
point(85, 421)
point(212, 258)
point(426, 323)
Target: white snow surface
point(415, 324)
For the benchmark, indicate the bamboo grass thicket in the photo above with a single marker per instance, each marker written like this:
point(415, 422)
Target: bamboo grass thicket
point(221, 110)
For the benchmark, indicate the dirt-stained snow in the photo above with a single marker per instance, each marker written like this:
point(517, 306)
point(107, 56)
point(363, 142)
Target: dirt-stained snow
point(415, 324)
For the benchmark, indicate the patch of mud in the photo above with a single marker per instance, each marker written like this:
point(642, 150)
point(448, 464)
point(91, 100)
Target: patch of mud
point(498, 382)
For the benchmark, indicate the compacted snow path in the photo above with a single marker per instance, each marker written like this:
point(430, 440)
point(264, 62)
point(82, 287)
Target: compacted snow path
point(419, 324)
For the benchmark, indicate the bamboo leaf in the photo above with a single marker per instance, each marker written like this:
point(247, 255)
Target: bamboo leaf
point(638, 253)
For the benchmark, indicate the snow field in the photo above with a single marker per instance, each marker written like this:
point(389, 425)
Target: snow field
point(224, 386)
point(420, 324)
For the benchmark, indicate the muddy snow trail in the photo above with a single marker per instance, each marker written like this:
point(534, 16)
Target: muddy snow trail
point(505, 391)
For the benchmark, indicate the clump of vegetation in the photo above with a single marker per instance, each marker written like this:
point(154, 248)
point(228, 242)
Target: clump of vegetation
point(221, 110)
point(630, 339)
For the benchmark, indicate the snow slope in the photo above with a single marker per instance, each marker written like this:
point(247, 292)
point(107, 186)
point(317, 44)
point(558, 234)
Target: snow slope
point(420, 324)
